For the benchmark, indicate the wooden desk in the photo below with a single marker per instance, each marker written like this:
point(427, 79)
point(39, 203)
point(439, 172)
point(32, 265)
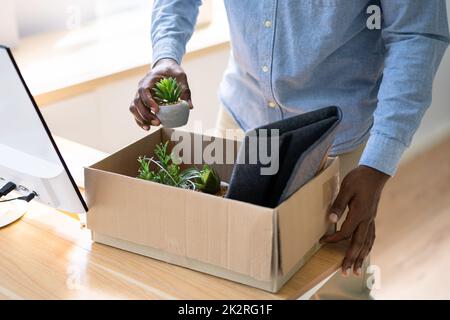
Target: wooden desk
point(47, 255)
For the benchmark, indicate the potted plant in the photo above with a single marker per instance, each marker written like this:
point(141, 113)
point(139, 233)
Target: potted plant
point(169, 172)
point(173, 112)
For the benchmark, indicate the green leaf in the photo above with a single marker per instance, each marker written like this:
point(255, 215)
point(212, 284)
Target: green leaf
point(167, 171)
point(210, 180)
point(167, 91)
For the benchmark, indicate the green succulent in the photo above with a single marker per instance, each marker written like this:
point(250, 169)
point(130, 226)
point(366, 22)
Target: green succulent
point(206, 180)
point(167, 91)
point(168, 172)
point(210, 180)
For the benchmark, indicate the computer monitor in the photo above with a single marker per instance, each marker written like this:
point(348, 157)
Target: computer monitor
point(29, 156)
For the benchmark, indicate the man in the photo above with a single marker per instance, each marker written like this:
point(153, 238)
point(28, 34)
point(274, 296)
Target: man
point(289, 57)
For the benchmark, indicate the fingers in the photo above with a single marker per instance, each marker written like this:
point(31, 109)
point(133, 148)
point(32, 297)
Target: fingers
point(340, 204)
point(145, 112)
point(144, 108)
point(144, 118)
point(186, 96)
point(347, 229)
point(186, 92)
point(356, 245)
point(370, 239)
point(146, 97)
point(138, 118)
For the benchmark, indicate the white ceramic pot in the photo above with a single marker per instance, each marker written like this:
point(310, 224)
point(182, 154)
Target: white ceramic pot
point(174, 115)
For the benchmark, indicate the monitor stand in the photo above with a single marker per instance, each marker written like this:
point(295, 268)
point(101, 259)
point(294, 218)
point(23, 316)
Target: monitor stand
point(12, 211)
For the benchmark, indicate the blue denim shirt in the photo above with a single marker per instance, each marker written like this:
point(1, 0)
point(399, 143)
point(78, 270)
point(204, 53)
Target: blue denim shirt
point(290, 57)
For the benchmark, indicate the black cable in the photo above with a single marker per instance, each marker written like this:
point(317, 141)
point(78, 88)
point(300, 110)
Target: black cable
point(27, 198)
point(8, 200)
point(7, 188)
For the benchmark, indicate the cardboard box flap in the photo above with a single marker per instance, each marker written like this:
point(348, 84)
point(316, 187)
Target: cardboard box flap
point(299, 231)
point(124, 161)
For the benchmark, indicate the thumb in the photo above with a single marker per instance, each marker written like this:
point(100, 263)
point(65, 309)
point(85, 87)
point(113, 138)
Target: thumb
point(339, 205)
point(187, 96)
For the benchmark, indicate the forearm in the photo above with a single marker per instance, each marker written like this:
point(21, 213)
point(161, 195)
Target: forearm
point(173, 23)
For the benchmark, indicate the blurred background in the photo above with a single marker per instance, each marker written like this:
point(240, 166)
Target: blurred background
point(82, 60)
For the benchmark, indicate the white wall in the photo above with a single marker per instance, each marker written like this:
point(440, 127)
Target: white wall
point(9, 34)
point(39, 16)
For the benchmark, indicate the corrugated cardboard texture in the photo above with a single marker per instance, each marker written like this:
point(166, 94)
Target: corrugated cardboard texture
point(124, 161)
point(221, 232)
point(184, 262)
point(302, 219)
point(258, 246)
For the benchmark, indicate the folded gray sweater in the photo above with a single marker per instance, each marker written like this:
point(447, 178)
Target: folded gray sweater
point(304, 141)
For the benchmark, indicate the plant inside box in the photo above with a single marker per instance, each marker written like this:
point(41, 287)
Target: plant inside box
point(168, 172)
point(173, 112)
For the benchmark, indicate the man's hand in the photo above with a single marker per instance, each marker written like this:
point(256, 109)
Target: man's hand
point(360, 192)
point(144, 108)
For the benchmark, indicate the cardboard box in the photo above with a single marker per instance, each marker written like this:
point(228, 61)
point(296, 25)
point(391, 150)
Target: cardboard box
point(253, 245)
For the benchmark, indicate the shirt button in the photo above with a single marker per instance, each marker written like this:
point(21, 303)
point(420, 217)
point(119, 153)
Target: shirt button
point(265, 68)
point(272, 104)
point(268, 23)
